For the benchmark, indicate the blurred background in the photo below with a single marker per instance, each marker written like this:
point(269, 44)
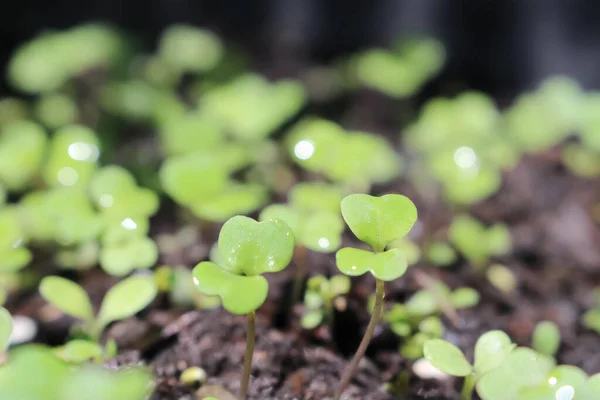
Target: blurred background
point(498, 47)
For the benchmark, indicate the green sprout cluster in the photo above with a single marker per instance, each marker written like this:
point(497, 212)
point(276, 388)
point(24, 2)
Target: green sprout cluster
point(320, 297)
point(356, 159)
point(401, 71)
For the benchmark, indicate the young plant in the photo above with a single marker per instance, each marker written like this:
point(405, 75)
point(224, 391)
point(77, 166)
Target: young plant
point(437, 297)
point(123, 300)
point(478, 243)
point(319, 298)
point(79, 351)
point(247, 250)
point(546, 338)
point(376, 221)
point(491, 349)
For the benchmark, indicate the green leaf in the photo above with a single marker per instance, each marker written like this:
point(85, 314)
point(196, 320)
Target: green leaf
point(240, 294)
point(6, 326)
point(491, 349)
point(413, 347)
point(432, 327)
point(186, 48)
point(235, 199)
point(464, 297)
point(378, 221)
point(386, 266)
point(422, 303)
point(79, 351)
point(321, 231)
point(447, 357)
point(126, 298)
point(339, 285)
point(402, 329)
point(441, 253)
point(67, 296)
point(22, 151)
point(316, 196)
point(284, 213)
point(592, 387)
point(311, 319)
point(313, 300)
point(119, 259)
point(546, 338)
point(253, 248)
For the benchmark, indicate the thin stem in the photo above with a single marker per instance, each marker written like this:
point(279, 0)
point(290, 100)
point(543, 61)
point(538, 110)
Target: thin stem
point(468, 386)
point(300, 261)
point(360, 352)
point(250, 335)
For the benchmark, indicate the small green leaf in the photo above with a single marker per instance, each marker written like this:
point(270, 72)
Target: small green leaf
point(441, 253)
point(312, 319)
point(252, 248)
point(413, 347)
point(119, 259)
point(240, 294)
point(282, 212)
point(67, 296)
point(6, 326)
point(79, 351)
point(491, 350)
point(126, 298)
point(235, 199)
point(378, 221)
point(313, 300)
point(546, 338)
point(321, 231)
point(464, 297)
point(422, 303)
point(339, 285)
point(432, 327)
point(447, 357)
point(313, 196)
point(592, 387)
point(402, 329)
point(386, 266)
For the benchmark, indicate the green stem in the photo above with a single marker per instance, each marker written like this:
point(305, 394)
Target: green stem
point(250, 335)
point(467, 389)
point(362, 348)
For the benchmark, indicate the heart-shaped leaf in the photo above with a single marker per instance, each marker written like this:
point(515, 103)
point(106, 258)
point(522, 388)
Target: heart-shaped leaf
point(252, 248)
point(67, 296)
point(378, 221)
point(6, 326)
point(386, 266)
point(447, 357)
point(126, 298)
point(240, 294)
point(491, 350)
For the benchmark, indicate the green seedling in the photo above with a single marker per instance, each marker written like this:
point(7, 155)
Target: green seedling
point(247, 250)
point(190, 133)
point(80, 257)
point(179, 284)
point(320, 297)
point(238, 198)
point(6, 327)
point(250, 108)
point(79, 351)
point(403, 71)
point(56, 110)
point(440, 253)
point(187, 49)
point(581, 161)
point(409, 248)
point(72, 157)
point(22, 149)
point(502, 278)
point(13, 254)
point(356, 159)
point(55, 379)
point(478, 243)
point(376, 221)
point(119, 258)
point(123, 300)
point(491, 350)
point(546, 338)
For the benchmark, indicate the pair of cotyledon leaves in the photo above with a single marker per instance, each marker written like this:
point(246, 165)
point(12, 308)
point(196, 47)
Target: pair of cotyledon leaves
point(249, 249)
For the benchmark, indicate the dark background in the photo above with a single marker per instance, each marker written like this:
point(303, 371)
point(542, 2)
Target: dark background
point(502, 47)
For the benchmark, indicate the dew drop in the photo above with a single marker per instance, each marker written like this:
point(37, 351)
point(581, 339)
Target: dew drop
point(304, 149)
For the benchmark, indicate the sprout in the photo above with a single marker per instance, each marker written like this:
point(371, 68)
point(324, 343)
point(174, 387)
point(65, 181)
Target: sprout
point(319, 298)
point(376, 221)
point(79, 351)
point(437, 297)
point(491, 350)
point(185, 48)
point(248, 249)
point(546, 338)
point(123, 300)
point(22, 150)
point(478, 243)
point(250, 108)
point(56, 110)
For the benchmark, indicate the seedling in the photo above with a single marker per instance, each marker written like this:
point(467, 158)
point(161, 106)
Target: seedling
point(546, 338)
point(319, 298)
point(179, 284)
point(478, 243)
point(6, 326)
point(79, 351)
point(247, 250)
point(491, 350)
point(123, 300)
point(440, 253)
point(56, 110)
point(376, 221)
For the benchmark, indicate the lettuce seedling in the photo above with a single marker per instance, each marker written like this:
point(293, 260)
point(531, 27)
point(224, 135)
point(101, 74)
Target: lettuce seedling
point(56, 110)
point(250, 108)
point(247, 250)
point(123, 300)
point(187, 49)
point(6, 327)
point(72, 157)
point(22, 149)
point(319, 298)
point(491, 349)
point(546, 338)
point(478, 243)
point(376, 221)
